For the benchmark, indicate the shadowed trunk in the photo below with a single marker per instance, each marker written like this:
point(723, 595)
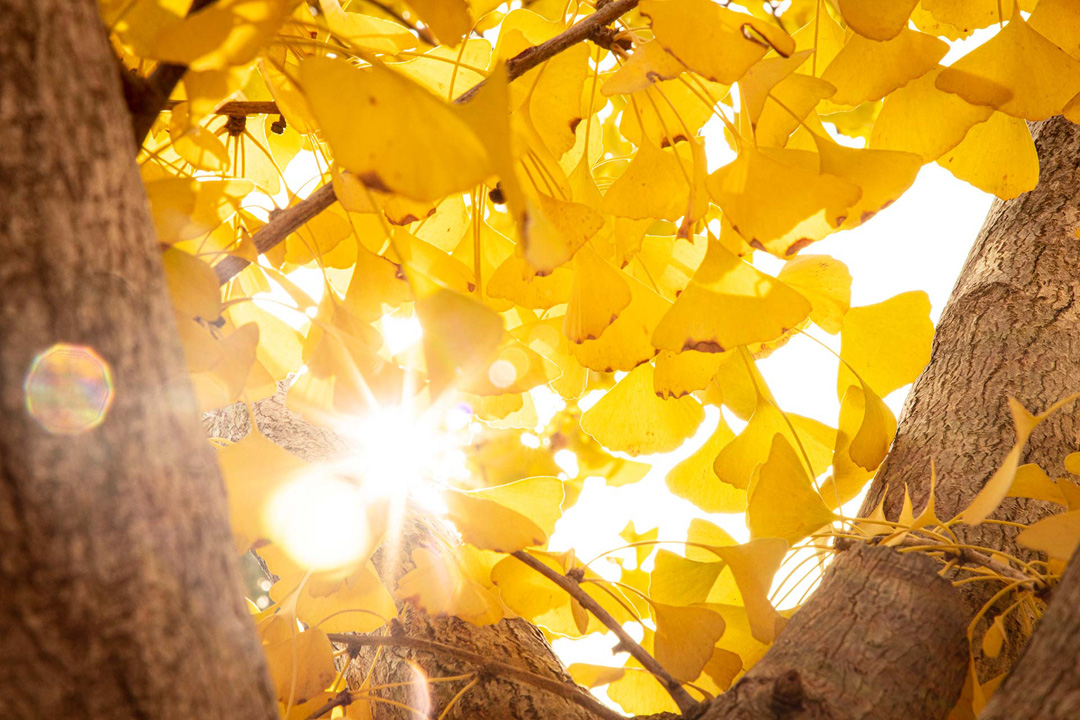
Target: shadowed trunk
point(120, 591)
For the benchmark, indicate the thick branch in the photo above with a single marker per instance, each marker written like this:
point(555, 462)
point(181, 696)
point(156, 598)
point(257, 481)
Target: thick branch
point(570, 585)
point(572, 693)
point(238, 107)
point(283, 224)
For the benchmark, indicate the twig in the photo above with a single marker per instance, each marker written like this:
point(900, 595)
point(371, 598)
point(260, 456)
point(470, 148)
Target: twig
point(529, 58)
point(573, 693)
point(154, 91)
point(237, 107)
point(342, 699)
point(570, 585)
point(283, 223)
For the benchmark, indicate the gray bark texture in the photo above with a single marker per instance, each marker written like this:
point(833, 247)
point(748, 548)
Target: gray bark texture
point(120, 594)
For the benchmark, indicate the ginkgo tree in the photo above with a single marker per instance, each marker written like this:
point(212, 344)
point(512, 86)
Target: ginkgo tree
point(528, 187)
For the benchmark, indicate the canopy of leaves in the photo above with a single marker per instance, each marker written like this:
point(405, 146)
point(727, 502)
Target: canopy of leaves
point(557, 234)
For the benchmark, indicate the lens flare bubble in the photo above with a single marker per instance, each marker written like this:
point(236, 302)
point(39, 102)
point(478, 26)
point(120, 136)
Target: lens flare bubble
point(68, 389)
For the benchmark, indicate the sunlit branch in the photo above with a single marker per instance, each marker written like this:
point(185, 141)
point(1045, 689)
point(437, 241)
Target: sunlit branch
point(570, 585)
point(502, 670)
point(283, 223)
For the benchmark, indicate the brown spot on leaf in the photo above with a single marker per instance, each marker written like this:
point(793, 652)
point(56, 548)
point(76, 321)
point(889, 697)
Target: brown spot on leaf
point(756, 244)
point(867, 214)
point(574, 123)
point(709, 346)
point(372, 180)
point(840, 220)
point(797, 246)
point(410, 218)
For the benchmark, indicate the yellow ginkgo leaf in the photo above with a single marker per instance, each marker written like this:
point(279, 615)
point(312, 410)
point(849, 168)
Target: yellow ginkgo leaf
point(968, 15)
point(301, 665)
point(781, 500)
point(729, 303)
point(638, 692)
point(524, 590)
point(759, 81)
point(875, 19)
point(1059, 22)
point(997, 487)
point(869, 70)
point(1072, 463)
point(679, 374)
point(554, 101)
point(516, 281)
point(594, 676)
point(547, 339)
point(788, 106)
point(679, 581)
point(447, 582)
point(377, 286)
point(554, 230)
point(254, 468)
point(655, 185)
point(628, 341)
point(870, 443)
point(825, 282)
point(230, 32)
point(695, 480)
point(921, 119)
point(997, 156)
point(778, 203)
point(507, 518)
point(391, 133)
point(882, 175)
point(649, 64)
point(754, 565)
point(1018, 72)
point(461, 337)
point(887, 344)
point(364, 32)
point(448, 19)
point(631, 536)
point(193, 285)
point(995, 636)
point(737, 460)
point(1057, 535)
point(359, 604)
point(684, 639)
point(630, 417)
point(737, 385)
point(1031, 481)
point(716, 43)
point(600, 293)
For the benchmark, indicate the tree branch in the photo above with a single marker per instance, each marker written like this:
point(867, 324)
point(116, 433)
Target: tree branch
point(238, 107)
point(570, 585)
point(155, 89)
point(283, 223)
point(573, 693)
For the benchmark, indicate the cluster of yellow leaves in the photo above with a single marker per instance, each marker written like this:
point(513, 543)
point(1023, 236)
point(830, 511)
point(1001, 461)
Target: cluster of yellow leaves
point(565, 230)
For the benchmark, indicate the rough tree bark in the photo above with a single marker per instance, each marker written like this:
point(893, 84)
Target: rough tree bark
point(1009, 328)
point(120, 591)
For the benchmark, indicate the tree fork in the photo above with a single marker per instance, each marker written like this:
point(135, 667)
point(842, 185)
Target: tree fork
point(121, 590)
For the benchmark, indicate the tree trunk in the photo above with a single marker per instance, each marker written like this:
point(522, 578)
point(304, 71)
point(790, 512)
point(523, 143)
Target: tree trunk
point(1010, 328)
point(120, 590)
